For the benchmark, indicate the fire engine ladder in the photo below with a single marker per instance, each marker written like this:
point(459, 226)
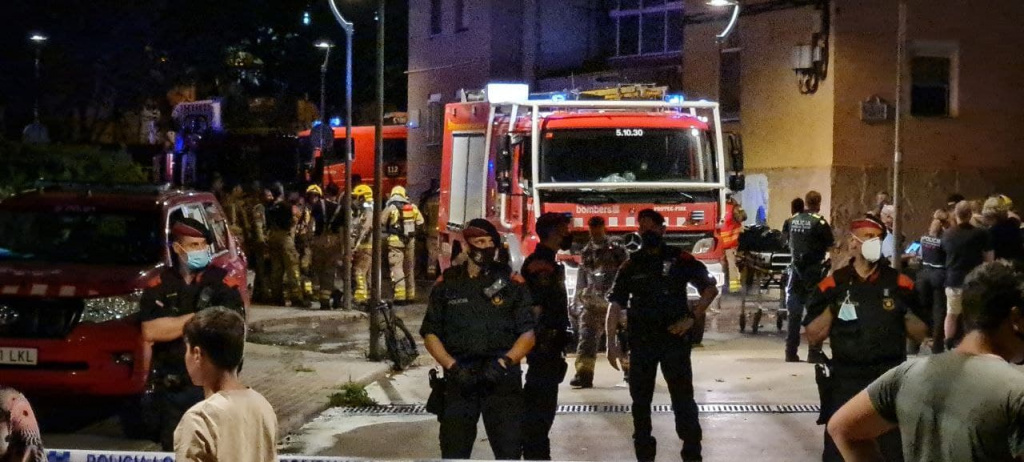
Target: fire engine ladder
point(535, 109)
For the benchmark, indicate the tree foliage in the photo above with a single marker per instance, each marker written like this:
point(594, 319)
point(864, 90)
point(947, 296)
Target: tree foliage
point(21, 165)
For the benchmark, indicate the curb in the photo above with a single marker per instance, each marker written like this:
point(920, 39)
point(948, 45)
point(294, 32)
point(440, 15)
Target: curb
point(291, 424)
point(306, 320)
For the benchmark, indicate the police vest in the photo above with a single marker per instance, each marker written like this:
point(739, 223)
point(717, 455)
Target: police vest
point(878, 334)
point(806, 240)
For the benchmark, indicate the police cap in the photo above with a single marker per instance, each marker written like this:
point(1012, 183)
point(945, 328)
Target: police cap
point(478, 227)
point(190, 227)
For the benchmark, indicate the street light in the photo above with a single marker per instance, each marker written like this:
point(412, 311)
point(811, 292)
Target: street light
point(347, 197)
point(38, 40)
point(326, 45)
point(735, 4)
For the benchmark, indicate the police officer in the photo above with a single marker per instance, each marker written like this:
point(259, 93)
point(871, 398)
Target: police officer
point(810, 238)
point(478, 327)
point(401, 220)
point(602, 258)
point(362, 255)
point(546, 280)
point(285, 279)
point(188, 286)
point(326, 218)
point(865, 309)
point(653, 285)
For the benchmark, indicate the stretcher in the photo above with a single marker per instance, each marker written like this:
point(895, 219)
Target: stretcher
point(764, 277)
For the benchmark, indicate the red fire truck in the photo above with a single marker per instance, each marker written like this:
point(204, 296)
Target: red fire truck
point(363, 137)
point(510, 159)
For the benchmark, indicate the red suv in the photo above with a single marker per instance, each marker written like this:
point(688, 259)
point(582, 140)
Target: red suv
point(73, 262)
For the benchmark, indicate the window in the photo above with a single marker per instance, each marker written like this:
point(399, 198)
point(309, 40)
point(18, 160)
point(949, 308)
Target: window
point(729, 86)
point(218, 227)
point(435, 17)
point(648, 27)
point(460, 15)
point(933, 79)
point(81, 235)
point(435, 120)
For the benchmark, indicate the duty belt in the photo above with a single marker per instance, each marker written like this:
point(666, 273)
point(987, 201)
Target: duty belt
point(932, 265)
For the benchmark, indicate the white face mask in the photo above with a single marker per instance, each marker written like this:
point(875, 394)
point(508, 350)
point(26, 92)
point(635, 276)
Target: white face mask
point(871, 249)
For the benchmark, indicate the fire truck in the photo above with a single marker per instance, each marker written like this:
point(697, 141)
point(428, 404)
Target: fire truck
point(509, 158)
point(330, 167)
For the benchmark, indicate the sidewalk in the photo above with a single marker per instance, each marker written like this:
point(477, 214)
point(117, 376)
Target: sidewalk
point(296, 382)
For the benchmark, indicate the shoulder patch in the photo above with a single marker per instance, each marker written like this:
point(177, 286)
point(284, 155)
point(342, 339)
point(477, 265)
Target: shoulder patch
point(826, 284)
point(155, 282)
point(905, 282)
point(518, 279)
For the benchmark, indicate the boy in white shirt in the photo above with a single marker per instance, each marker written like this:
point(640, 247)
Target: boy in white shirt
point(234, 422)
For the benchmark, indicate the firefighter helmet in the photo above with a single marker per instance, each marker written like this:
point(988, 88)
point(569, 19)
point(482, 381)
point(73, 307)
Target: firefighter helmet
point(399, 191)
point(314, 189)
point(364, 191)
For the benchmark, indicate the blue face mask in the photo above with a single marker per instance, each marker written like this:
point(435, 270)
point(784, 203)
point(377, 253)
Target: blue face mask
point(198, 260)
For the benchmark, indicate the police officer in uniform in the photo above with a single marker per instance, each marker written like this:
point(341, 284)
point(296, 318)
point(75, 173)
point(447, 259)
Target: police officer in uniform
point(653, 286)
point(185, 288)
point(810, 238)
point(478, 327)
point(285, 279)
point(326, 245)
point(362, 202)
point(866, 310)
point(546, 280)
point(401, 220)
point(602, 258)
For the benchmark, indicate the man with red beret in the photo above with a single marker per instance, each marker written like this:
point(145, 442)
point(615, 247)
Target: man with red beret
point(866, 310)
point(189, 285)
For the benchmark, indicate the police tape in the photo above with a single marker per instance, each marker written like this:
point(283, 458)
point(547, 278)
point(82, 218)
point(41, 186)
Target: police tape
point(66, 455)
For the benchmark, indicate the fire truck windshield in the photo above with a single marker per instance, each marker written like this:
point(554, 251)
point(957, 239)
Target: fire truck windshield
point(627, 155)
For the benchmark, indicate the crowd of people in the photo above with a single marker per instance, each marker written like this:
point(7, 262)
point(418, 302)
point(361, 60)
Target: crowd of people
point(293, 241)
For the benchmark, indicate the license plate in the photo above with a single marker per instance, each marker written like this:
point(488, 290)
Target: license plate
point(19, 356)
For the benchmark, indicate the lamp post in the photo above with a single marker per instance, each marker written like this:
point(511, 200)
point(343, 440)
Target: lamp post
point(378, 173)
point(38, 40)
point(325, 45)
point(897, 161)
point(733, 20)
point(347, 197)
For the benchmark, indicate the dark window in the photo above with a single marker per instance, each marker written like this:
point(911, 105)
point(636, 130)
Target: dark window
point(87, 236)
point(460, 15)
point(435, 122)
point(930, 86)
point(729, 86)
point(648, 27)
point(218, 226)
point(435, 17)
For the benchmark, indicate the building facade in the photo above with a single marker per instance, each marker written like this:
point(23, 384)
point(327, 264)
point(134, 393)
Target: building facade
point(810, 84)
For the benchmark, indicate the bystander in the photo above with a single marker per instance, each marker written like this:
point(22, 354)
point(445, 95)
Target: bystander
point(966, 248)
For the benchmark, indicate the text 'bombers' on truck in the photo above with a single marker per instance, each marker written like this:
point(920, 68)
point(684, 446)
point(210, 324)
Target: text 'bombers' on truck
point(509, 159)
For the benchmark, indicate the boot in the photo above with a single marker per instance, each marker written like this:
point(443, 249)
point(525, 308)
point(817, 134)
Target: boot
point(583, 380)
point(325, 304)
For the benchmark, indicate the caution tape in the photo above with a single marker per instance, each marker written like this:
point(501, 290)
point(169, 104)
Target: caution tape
point(77, 455)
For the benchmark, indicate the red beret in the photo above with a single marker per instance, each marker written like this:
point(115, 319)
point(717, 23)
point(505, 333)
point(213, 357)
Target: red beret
point(868, 223)
point(189, 228)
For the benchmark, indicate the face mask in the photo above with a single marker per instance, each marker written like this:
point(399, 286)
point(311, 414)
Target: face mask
point(871, 249)
point(650, 239)
point(483, 257)
point(198, 260)
point(566, 243)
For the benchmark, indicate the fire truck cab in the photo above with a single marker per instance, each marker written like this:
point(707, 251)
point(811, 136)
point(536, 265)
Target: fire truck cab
point(509, 159)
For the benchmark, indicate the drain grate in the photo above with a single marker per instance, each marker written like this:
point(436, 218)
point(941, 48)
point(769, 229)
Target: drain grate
point(419, 409)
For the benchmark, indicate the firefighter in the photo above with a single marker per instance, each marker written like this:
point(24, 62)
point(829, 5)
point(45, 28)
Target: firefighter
point(187, 287)
point(430, 204)
point(401, 220)
point(285, 279)
point(259, 243)
point(810, 238)
point(303, 243)
point(362, 202)
point(731, 229)
point(546, 280)
point(237, 216)
point(326, 246)
point(866, 311)
point(478, 327)
point(602, 258)
point(653, 285)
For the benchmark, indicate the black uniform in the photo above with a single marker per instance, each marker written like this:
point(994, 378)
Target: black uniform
point(170, 391)
point(327, 217)
point(865, 344)
point(653, 285)
point(931, 288)
point(810, 237)
point(476, 329)
point(546, 280)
